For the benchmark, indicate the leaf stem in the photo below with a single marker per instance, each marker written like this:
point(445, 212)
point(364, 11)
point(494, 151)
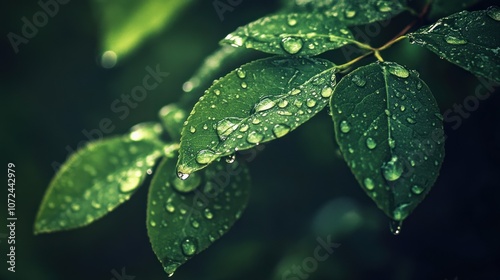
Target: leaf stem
point(348, 64)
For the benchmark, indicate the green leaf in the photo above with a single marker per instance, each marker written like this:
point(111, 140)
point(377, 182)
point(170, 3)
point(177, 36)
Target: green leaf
point(351, 12)
point(468, 39)
point(125, 26)
point(441, 8)
point(98, 178)
point(211, 66)
point(390, 132)
point(186, 217)
point(259, 102)
point(292, 34)
point(173, 117)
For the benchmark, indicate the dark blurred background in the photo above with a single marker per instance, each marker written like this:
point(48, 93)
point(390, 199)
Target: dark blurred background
point(56, 86)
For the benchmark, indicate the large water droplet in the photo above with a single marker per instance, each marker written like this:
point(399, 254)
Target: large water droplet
point(170, 207)
point(264, 104)
point(292, 45)
point(327, 92)
point(395, 227)
point(392, 143)
point(281, 130)
point(350, 13)
point(494, 13)
point(416, 189)
point(345, 127)
point(208, 214)
point(393, 169)
point(359, 81)
point(370, 143)
point(170, 267)
point(131, 183)
point(205, 156)
point(398, 71)
point(182, 176)
point(227, 126)
point(384, 6)
point(236, 41)
point(454, 40)
point(369, 184)
point(411, 121)
point(254, 137)
point(311, 103)
point(187, 185)
point(292, 21)
point(189, 246)
point(241, 73)
point(400, 213)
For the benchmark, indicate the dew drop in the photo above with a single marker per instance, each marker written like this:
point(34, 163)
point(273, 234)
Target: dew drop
point(152, 223)
point(311, 103)
point(398, 71)
point(292, 21)
point(189, 246)
point(208, 214)
point(350, 13)
point(416, 189)
point(236, 41)
point(454, 40)
point(494, 13)
point(170, 207)
point(195, 224)
point(370, 143)
point(344, 127)
point(359, 81)
point(395, 227)
point(187, 185)
point(327, 92)
point(392, 143)
point(192, 129)
point(369, 184)
point(170, 268)
point(281, 130)
point(205, 156)
point(283, 103)
point(383, 6)
point(241, 73)
point(411, 121)
point(292, 45)
point(231, 158)
point(254, 137)
point(295, 91)
point(244, 128)
point(182, 176)
point(393, 169)
point(227, 126)
point(264, 104)
point(244, 85)
point(75, 207)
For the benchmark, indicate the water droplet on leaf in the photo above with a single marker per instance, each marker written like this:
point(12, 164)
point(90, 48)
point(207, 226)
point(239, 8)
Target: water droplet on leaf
point(393, 169)
point(292, 45)
point(281, 130)
point(398, 71)
point(254, 137)
point(454, 40)
point(369, 184)
point(359, 81)
point(264, 104)
point(370, 143)
point(205, 156)
point(344, 127)
point(395, 227)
